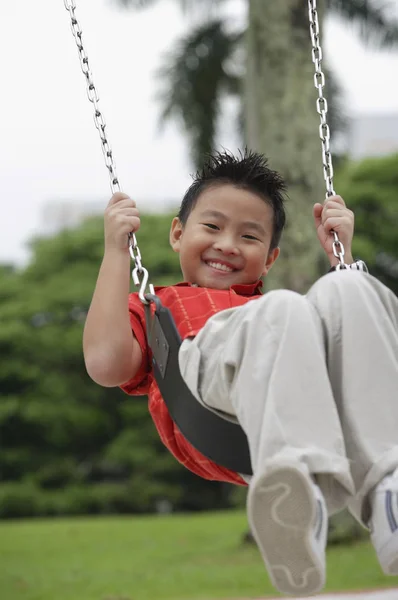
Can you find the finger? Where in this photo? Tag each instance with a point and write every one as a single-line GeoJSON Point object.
{"type": "Point", "coordinates": [334, 200]}
{"type": "Point", "coordinates": [345, 216]}
{"type": "Point", "coordinates": [122, 207]}
{"type": "Point", "coordinates": [317, 212]}
{"type": "Point", "coordinates": [336, 223]}
{"type": "Point", "coordinates": [335, 206]}
{"type": "Point", "coordinates": [332, 212]}
{"type": "Point", "coordinates": [128, 211]}
{"type": "Point", "coordinates": [135, 224]}
{"type": "Point", "coordinates": [129, 225]}
{"type": "Point", "coordinates": [125, 204]}
{"type": "Point", "coordinates": [119, 197]}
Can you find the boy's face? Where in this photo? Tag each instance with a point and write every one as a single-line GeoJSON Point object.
{"type": "Point", "coordinates": [226, 238]}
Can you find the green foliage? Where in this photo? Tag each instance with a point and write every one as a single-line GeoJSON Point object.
{"type": "Point", "coordinates": [370, 190]}
{"type": "Point", "coordinates": [139, 495]}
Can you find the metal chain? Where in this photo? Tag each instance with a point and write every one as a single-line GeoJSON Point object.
{"type": "Point", "coordinates": [324, 130]}
{"type": "Point", "coordinates": [139, 271]}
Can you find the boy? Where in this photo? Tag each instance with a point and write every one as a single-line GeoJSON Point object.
{"type": "Point", "coordinates": [311, 379]}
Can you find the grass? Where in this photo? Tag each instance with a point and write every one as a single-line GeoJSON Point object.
{"type": "Point", "coordinates": [153, 558]}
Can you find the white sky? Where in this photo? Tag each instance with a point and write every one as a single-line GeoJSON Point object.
{"type": "Point", "coordinates": [49, 147]}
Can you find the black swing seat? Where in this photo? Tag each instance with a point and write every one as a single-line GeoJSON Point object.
{"type": "Point", "coordinates": [220, 440]}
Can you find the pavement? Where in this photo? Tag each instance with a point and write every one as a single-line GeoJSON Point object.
{"type": "Point", "coordinates": [391, 594]}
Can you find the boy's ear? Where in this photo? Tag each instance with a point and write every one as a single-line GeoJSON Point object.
{"type": "Point", "coordinates": [175, 234]}
{"type": "Point", "coordinates": [271, 258]}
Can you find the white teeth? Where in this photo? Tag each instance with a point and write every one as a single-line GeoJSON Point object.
{"type": "Point", "coordinates": [220, 267]}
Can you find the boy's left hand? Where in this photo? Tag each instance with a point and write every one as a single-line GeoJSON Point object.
{"type": "Point", "coordinates": [334, 215]}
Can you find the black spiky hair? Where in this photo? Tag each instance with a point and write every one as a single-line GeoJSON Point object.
{"type": "Point", "coordinates": [248, 170]}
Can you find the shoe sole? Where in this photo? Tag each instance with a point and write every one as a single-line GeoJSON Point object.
{"type": "Point", "coordinates": [282, 510]}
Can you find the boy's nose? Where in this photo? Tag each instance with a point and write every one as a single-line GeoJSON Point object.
{"type": "Point", "coordinates": [226, 246]}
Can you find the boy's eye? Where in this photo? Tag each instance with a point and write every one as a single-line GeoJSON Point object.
{"type": "Point", "coordinates": [250, 237]}
{"type": "Point", "coordinates": [210, 225]}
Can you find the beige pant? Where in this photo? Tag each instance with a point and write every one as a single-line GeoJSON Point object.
{"type": "Point", "coordinates": [310, 378]}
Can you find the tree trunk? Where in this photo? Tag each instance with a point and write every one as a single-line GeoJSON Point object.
{"type": "Point", "coordinates": [282, 122]}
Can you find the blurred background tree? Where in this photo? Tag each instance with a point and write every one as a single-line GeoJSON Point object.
{"type": "Point", "coordinates": [371, 186]}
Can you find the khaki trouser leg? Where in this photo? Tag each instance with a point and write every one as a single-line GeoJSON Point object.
{"type": "Point", "coordinates": [360, 322]}
{"type": "Point", "coordinates": [264, 364]}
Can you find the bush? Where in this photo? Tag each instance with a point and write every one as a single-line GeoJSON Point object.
{"type": "Point", "coordinates": [27, 499]}
{"type": "Point", "coordinates": [20, 500]}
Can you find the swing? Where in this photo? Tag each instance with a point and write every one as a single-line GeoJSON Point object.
{"type": "Point", "coordinates": [220, 440]}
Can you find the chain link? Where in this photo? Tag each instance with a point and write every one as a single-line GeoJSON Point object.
{"type": "Point", "coordinates": [139, 271]}
{"type": "Point", "coordinates": [322, 109]}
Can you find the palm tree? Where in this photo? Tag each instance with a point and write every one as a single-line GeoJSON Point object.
{"type": "Point", "coordinates": [268, 68]}
{"type": "Point", "coordinates": [207, 63]}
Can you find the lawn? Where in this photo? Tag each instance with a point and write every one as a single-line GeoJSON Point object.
{"type": "Point", "coordinates": [197, 557]}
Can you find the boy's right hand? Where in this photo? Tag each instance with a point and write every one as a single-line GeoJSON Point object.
{"type": "Point", "coordinates": [121, 218]}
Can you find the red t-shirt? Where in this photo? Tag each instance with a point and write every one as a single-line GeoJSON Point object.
{"type": "Point", "coordinates": [191, 307]}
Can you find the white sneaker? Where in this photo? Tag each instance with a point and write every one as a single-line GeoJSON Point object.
{"type": "Point", "coordinates": [384, 523]}
{"type": "Point", "coordinates": [288, 518]}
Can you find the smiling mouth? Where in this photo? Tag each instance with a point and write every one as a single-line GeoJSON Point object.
{"type": "Point", "coordinates": [217, 266]}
